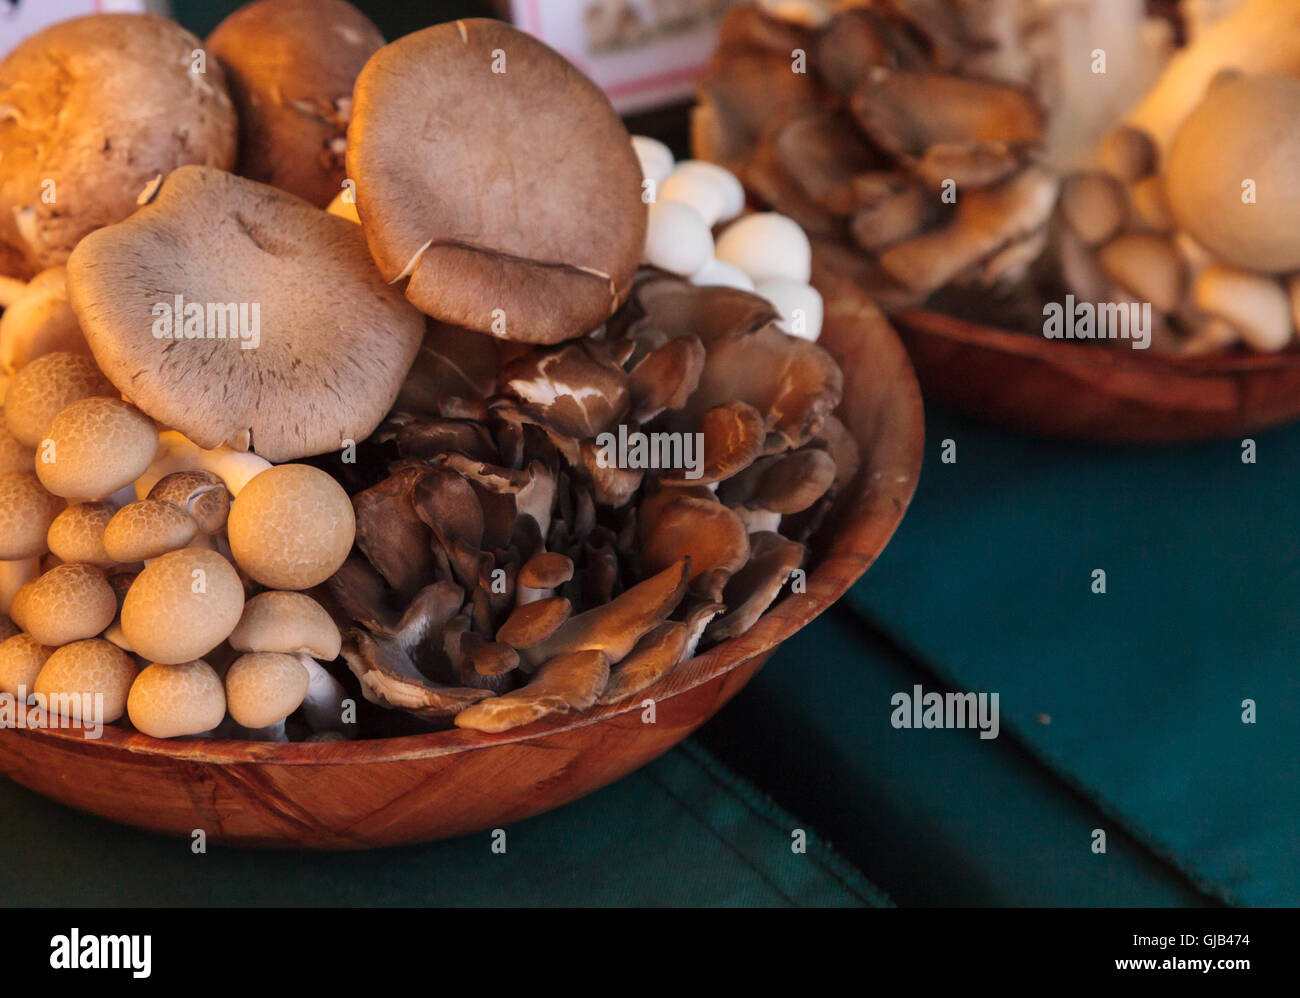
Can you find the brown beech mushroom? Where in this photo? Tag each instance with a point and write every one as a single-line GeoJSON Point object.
{"type": "Point", "coordinates": [67, 603]}
{"type": "Point", "coordinates": [263, 688]}
{"type": "Point", "coordinates": [13, 455]}
{"type": "Point", "coordinates": [13, 576]}
{"type": "Point", "coordinates": [291, 527]}
{"type": "Point", "coordinates": [197, 587]}
{"type": "Point", "coordinates": [45, 387]}
{"type": "Point", "coordinates": [140, 531]}
{"type": "Point", "coordinates": [26, 512]}
{"type": "Point", "coordinates": [499, 179]}
{"type": "Point", "coordinates": [92, 110]}
{"type": "Point", "coordinates": [21, 659]}
{"type": "Point", "coordinates": [94, 447]}
{"type": "Point", "coordinates": [92, 679]}
{"type": "Point", "coordinates": [77, 534]}
{"type": "Point", "coordinates": [201, 494]}
{"type": "Point", "coordinates": [305, 346]}
{"type": "Point", "coordinates": [172, 701]}
{"type": "Point", "coordinates": [290, 66]}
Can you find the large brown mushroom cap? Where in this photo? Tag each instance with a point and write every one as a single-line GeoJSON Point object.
{"type": "Point", "coordinates": [290, 66]}
{"type": "Point", "coordinates": [99, 105]}
{"type": "Point", "coordinates": [334, 341]}
{"type": "Point", "coordinates": [515, 190]}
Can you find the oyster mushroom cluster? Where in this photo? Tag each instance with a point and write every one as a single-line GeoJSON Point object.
{"type": "Point", "coordinates": [508, 566]}
{"type": "Point", "coordinates": [877, 128]}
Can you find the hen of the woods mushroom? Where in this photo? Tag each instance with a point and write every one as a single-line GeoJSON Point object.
{"type": "Point", "coordinates": [991, 157]}
{"type": "Point", "coordinates": [477, 463]}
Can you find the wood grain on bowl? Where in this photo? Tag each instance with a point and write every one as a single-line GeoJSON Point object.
{"type": "Point", "coordinates": [1076, 390]}
{"type": "Point", "coordinates": [346, 795]}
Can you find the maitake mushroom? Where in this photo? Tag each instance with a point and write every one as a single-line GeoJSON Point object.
{"type": "Point", "coordinates": [512, 563]}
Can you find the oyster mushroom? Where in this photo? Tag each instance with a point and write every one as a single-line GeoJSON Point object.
{"type": "Point", "coordinates": [567, 682]}
{"type": "Point", "coordinates": [496, 209]}
{"type": "Point", "coordinates": [320, 363]}
{"type": "Point", "coordinates": [290, 67]}
{"type": "Point", "coordinates": [99, 105]}
{"type": "Point", "coordinates": [658, 653]}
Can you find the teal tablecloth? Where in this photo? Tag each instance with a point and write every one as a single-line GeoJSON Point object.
{"type": "Point", "coordinates": [1120, 711]}
{"type": "Point", "coordinates": [682, 831]}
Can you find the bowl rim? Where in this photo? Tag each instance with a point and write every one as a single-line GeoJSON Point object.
{"type": "Point", "coordinates": [1066, 352]}
{"type": "Point", "coordinates": [840, 567]}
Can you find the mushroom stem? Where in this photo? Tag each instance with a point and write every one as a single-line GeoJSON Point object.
{"type": "Point", "coordinates": [322, 707]}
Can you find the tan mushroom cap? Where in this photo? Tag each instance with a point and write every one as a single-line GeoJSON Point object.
{"type": "Point", "coordinates": [202, 494]}
{"type": "Point", "coordinates": [95, 447]}
{"type": "Point", "coordinates": [26, 512]}
{"type": "Point", "coordinates": [67, 603]}
{"type": "Point", "coordinates": [147, 529]}
{"type": "Point", "coordinates": [13, 455]}
{"type": "Point", "coordinates": [13, 576]}
{"type": "Point", "coordinates": [182, 605]}
{"type": "Point", "coordinates": [291, 527]}
{"type": "Point", "coordinates": [516, 191]}
{"type": "Point", "coordinates": [170, 701]}
{"type": "Point", "coordinates": [333, 340]}
{"type": "Point", "coordinates": [88, 668]}
{"type": "Point", "coordinates": [101, 105]}
{"type": "Point", "coordinates": [45, 387]}
{"type": "Point", "coordinates": [77, 534]}
{"type": "Point", "coordinates": [8, 628]}
{"type": "Point", "coordinates": [21, 659]}
{"type": "Point", "coordinates": [1243, 130]}
{"type": "Point", "coordinates": [263, 688]}
{"type": "Point", "coordinates": [287, 622]}
{"type": "Point", "coordinates": [40, 321]}
{"type": "Point", "coordinates": [290, 66]}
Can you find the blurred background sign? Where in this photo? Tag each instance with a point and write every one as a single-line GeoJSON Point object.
{"type": "Point", "coordinates": [643, 53]}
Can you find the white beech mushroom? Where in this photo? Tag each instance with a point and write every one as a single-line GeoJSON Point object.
{"type": "Point", "coordinates": [172, 701]}
{"type": "Point", "coordinates": [78, 674]}
{"type": "Point", "coordinates": [99, 106]}
{"type": "Point", "coordinates": [439, 193]}
{"type": "Point", "coordinates": [319, 365]}
{"type": "Point", "coordinates": [290, 67]}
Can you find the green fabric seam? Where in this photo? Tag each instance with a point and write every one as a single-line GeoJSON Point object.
{"type": "Point", "coordinates": [1057, 766]}
{"type": "Point", "coordinates": [774, 815]}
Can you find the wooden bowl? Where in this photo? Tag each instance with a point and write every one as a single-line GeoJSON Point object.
{"type": "Point", "coordinates": [347, 795]}
{"type": "Point", "coordinates": [1065, 389]}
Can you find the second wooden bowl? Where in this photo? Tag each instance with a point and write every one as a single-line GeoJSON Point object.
{"type": "Point", "coordinates": [349, 795]}
{"type": "Point", "coordinates": [1064, 389]}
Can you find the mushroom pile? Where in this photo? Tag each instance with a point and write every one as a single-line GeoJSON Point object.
{"type": "Point", "coordinates": [507, 568]}
{"type": "Point", "coordinates": [265, 470]}
{"type": "Point", "coordinates": [876, 129]}
{"type": "Point", "coordinates": [1192, 205]}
